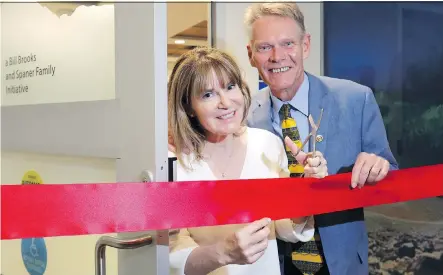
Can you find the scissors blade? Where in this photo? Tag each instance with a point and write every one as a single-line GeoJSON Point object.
{"type": "Point", "coordinates": [305, 141]}
{"type": "Point", "coordinates": [319, 119]}
{"type": "Point", "coordinates": [313, 133]}
{"type": "Point", "coordinates": [313, 125]}
{"type": "Point", "coordinates": [315, 128]}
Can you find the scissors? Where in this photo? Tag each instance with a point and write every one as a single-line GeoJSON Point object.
{"type": "Point", "coordinates": [313, 133]}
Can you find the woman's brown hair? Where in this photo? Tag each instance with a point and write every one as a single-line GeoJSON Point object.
{"type": "Point", "coordinates": [190, 76]}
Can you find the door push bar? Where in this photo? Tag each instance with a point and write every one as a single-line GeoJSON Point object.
{"type": "Point", "coordinates": [100, 249]}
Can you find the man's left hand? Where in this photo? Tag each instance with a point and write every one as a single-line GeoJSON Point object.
{"type": "Point", "coordinates": [368, 168]}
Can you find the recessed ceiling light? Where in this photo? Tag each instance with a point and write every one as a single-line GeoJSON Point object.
{"type": "Point", "coordinates": [180, 41]}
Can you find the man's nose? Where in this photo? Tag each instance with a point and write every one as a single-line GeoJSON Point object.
{"type": "Point", "coordinates": [277, 55]}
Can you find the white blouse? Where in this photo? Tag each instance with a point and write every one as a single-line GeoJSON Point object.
{"type": "Point", "coordinates": [265, 158]}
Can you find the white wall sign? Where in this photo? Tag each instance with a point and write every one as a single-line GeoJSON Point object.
{"type": "Point", "coordinates": [53, 55]}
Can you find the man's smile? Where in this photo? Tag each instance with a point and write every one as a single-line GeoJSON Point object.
{"type": "Point", "coordinates": [279, 70]}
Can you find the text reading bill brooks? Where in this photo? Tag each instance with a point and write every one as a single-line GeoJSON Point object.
{"type": "Point", "coordinates": [19, 59]}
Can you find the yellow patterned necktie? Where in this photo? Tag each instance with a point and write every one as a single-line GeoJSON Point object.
{"type": "Point", "coordinates": [305, 256]}
{"type": "Point", "coordinates": [289, 128]}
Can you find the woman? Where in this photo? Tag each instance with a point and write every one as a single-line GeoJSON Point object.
{"type": "Point", "coordinates": [208, 103]}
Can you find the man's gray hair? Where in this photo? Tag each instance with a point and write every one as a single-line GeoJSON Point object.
{"type": "Point", "coordinates": [257, 11]}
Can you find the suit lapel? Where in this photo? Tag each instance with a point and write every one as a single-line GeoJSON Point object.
{"type": "Point", "coordinates": [261, 110]}
{"type": "Point", "coordinates": [260, 114]}
{"type": "Point", "coordinates": [318, 99]}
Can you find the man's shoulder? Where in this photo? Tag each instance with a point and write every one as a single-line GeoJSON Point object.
{"type": "Point", "coordinates": [262, 95]}
{"type": "Point", "coordinates": [344, 93]}
{"type": "Point", "coordinates": [259, 112]}
{"type": "Point", "coordinates": [340, 86]}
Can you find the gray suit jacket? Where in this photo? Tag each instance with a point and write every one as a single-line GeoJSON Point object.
{"type": "Point", "coordinates": [351, 123]}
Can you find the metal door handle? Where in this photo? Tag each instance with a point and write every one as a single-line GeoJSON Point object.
{"type": "Point", "coordinates": [100, 249]}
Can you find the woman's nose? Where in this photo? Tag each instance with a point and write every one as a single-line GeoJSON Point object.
{"type": "Point", "coordinates": [225, 101]}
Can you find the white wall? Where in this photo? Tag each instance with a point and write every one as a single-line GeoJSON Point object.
{"type": "Point", "coordinates": [313, 12]}
{"type": "Point", "coordinates": [230, 35]}
{"type": "Point", "coordinates": [79, 78]}
{"type": "Point", "coordinates": [78, 50]}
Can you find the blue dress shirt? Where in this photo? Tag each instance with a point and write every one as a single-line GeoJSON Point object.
{"type": "Point", "coordinates": [299, 111]}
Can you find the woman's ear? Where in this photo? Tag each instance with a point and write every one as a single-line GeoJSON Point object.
{"type": "Point", "coordinates": [190, 112]}
{"type": "Point", "coordinates": [188, 109]}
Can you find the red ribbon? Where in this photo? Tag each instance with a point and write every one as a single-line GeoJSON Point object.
{"type": "Point", "coordinates": [79, 209]}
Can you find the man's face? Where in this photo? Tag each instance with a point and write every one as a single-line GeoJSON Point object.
{"type": "Point", "coordinates": [277, 49]}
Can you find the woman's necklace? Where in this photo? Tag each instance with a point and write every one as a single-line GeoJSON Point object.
{"type": "Point", "coordinates": [228, 161]}
{"type": "Point", "coordinates": [214, 154]}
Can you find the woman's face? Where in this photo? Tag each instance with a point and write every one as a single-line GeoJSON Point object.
{"type": "Point", "coordinates": [219, 109]}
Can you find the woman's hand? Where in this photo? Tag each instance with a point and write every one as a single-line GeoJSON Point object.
{"type": "Point", "coordinates": [247, 245]}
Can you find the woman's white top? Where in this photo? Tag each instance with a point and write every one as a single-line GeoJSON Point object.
{"type": "Point", "coordinates": [265, 158]}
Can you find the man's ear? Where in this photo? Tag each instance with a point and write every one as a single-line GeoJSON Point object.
{"type": "Point", "coordinates": [306, 45]}
{"type": "Point", "coordinates": [251, 60]}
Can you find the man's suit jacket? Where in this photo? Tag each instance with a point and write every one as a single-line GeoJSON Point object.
{"type": "Point", "coordinates": [351, 123]}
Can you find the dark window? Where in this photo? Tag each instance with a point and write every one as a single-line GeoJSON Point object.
{"type": "Point", "coordinates": [397, 50]}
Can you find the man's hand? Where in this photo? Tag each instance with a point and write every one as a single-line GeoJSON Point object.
{"type": "Point", "coordinates": [368, 168]}
{"type": "Point", "coordinates": [315, 165]}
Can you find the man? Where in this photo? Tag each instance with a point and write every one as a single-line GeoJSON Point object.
{"type": "Point", "coordinates": [351, 136]}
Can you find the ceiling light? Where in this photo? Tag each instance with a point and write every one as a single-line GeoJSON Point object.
{"type": "Point", "coordinates": [180, 41]}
